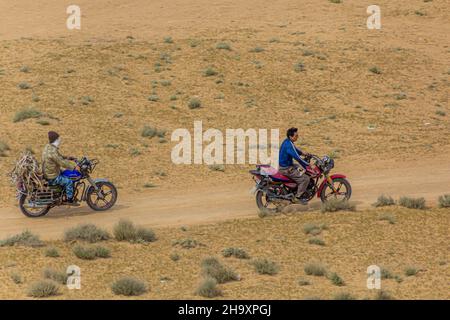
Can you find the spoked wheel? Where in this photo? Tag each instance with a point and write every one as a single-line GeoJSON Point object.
{"type": "Point", "coordinates": [104, 198]}
{"type": "Point", "coordinates": [342, 187]}
{"type": "Point", "coordinates": [264, 204]}
{"type": "Point", "coordinates": [29, 209]}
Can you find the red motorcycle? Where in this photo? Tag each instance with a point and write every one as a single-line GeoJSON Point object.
{"type": "Point", "coordinates": [273, 189]}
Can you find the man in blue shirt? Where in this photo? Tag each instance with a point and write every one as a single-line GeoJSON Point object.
{"type": "Point", "coordinates": [288, 152]}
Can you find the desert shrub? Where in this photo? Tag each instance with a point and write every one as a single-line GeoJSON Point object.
{"type": "Point", "coordinates": [27, 113]}
{"type": "Point", "coordinates": [211, 267]}
{"type": "Point", "coordinates": [149, 185]}
{"type": "Point", "coordinates": [265, 266]}
{"type": "Point", "coordinates": [86, 232]}
{"type": "Point", "coordinates": [443, 201]}
{"type": "Point", "coordinates": [412, 203]}
{"type": "Point", "coordinates": [51, 252]}
{"type": "Point", "coordinates": [125, 230]}
{"type": "Point", "coordinates": [386, 274]}
{"type": "Point", "coordinates": [411, 271]}
{"type": "Point", "coordinates": [165, 83]}
{"type": "Point", "coordinates": [43, 122]}
{"type": "Point", "coordinates": [303, 282]}
{"type": "Point", "coordinates": [187, 243]}
{"type": "Point", "coordinates": [194, 103]}
{"type": "Point", "coordinates": [257, 50]}
{"type": "Point", "coordinates": [334, 205]}
{"type": "Point", "coordinates": [4, 148]}
{"type": "Point", "coordinates": [168, 40]}
{"type": "Point", "coordinates": [26, 239]}
{"type": "Point", "coordinates": [383, 295]}
{"type": "Point", "coordinates": [375, 70]}
{"type": "Point", "coordinates": [223, 46]}
{"type": "Point", "coordinates": [153, 98]}
{"type": "Point", "coordinates": [315, 269]}
{"type": "Point", "coordinates": [383, 201]}
{"type": "Point", "coordinates": [24, 85]}
{"type": "Point", "coordinates": [208, 288]}
{"type": "Point", "coordinates": [86, 100]}
{"type": "Point", "coordinates": [387, 217]}
{"type": "Point", "coordinates": [344, 296]}
{"type": "Point", "coordinates": [129, 286]}
{"type": "Point", "coordinates": [150, 132]}
{"type": "Point", "coordinates": [336, 279]}
{"type": "Point", "coordinates": [43, 288]}
{"type": "Point", "coordinates": [134, 152]}
{"type": "Point", "coordinates": [89, 252]}
{"type": "Point", "coordinates": [316, 241]}
{"type": "Point", "coordinates": [441, 113]}
{"type": "Point", "coordinates": [16, 277]}
{"type": "Point", "coordinates": [55, 275]}
{"type": "Point", "coordinates": [299, 67]}
{"type": "Point", "coordinates": [314, 229]}
{"type": "Point", "coordinates": [235, 252]}
{"type": "Point", "coordinates": [25, 69]}
{"type": "Point", "coordinates": [217, 167]}
{"type": "Point", "coordinates": [209, 72]}
{"type": "Point", "coordinates": [174, 256]}
{"type": "Point", "coordinates": [335, 1]}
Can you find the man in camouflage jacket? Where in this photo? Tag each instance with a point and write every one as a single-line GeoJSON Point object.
{"type": "Point", "coordinates": [52, 162]}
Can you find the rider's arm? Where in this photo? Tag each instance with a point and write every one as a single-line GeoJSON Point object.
{"type": "Point", "coordinates": [293, 151]}
{"type": "Point", "coordinates": [61, 161]}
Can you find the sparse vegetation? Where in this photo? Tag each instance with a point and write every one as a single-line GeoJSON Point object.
{"type": "Point", "coordinates": [4, 148]}
{"type": "Point", "coordinates": [55, 275]}
{"type": "Point", "coordinates": [212, 267]}
{"type": "Point", "coordinates": [150, 132]}
{"type": "Point", "coordinates": [26, 239]}
{"type": "Point", "coordinates": [441, 113]}
{"type": "Point", "coordinates": [174, 256]}
{"type": "Point", "coordinates": [86, 232]}
{"type": "Point", "coordinates": [336, 279]}
{"type": "Point", "coordinates": [387, 217]}
{"type": "Point", "coordinates": [129, 286]}
{"type": "Point", "coordinates": [209, 72]}
{"type": "Point", "coordinates": [51, 252]}
{"type": "Point", "coordinates": [383, 201]}
{"type": "Point", "coordinates": [386, 274]}
{"type": "Point", "coordinates": [265, 266]}
{"type": "Point", "coordinates": [223, 46]}
{"type": "Point", "coordinates": [43, 288]}
{"type": "Point", "coordinates": [16, 277]}
{"type": "Point", "coordinates": [443, 201]}
{"type": "Point", "coordinates": [235, 252]}
{"type": "Point", "coordinates": [153, 98]}
{"type": "Point", "coordinates": [344, 296]}
{"type": "Point", "coordinates": [334, 205]}
{"type": "Point", "coordinates": [257, 50]}
{"type": "Point", "coordinates": [208, 288]}
{"type": "Point", "coordinates": [89, 252]}
{"type": "Point", "coordinates": [412, 203]}
{"type": "Point", "coordinates": [316, 241]}
{"type": "Point", "coordinates": [375, 70]}
{"type": "Point", "coordinates": [383, 295]}
{"type": "Point", "coordinates": [194, 103]}
{"type": "Point", "coordinates": [125, 230]}
{"type": "Point", "coordinates": [27, 113]}
{"type": "Point", "coordinates": [24, 85]}
{"type": "Point", "coordinates": [303, 282]}
{"type": "Point", "coordinates": [315, 269]}
{"type": "Point", "coordinates": [411, 271]}
{"type": "Point", "coordinates": [187, 243]}
{"type": "Point", "coordinates": [168, 40]}
{"type": "Point", "coordinates": [299, 67]}
{"type": "Point", "coordinates": [217, 167]}
{"type": "Point", "coordinates": [314, 229]}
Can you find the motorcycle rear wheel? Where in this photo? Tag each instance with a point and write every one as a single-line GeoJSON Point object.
{"type": "Point", "coordinates": [263, 203]}
{"type": "Point", "coordinates": [109, 194]}
{"type": "Point", "coordinates": [31, 212]}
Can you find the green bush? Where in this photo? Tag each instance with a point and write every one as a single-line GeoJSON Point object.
{"type": "Point", "coordinates": [208, 288]}
{"type": "Point", "coordinates": [299, 67]}
{"type": "Point", "coordinates": [383, 201]}
{"type": "Point", "coordinates": [444, 201]}
{"type": "Point", "coordinates": [87, 252]}
{"type": "Point", "coordinates": [86, 232]}
{"type": "Point", "coordinates": [315, 269]}
{"type": "Point", "coordinates": [375, 70]}
{"type": "Point", "coordinates": [336, 279]}
{"type": "Point", "coordinates": [316, 241]}
{"type": "Point", "coordinates": [257, 50]}
{"type": "Point", "coordinates": [27, 113]}
{"type": "Point", "coordinates": [51, 252]}
{"type": "Point", "coordinates": [43, 288]}
{"type": "Point", "coordinates": [194, 103]}
{"type": "Point", "coordinates": [16, 278]}
{"type": "Point", "coordinates": [235, 252]}
{"type": "Point", "coordinates": [265, 266]}
{"type": "Point", "coordinates": [24, 85]}
{"type": "Point", "coordinates": [386, 274]}
{"type": "Point", "coordinates": [209, 72]}
{"type": "Point", "coordinates": [303, 282]}
{"type": "Point", "coordinates": [125, 230]}
{"type": "Point", "coordinates": [211, 267]}
{"type": "Point", "coordinates": [150, 132]}
{"type": "Point", "coordinates": [153, 98]}
{"type": "Point", "coordinates": [412, 203]}
{"type": "Point", "coordinates": [314, 229]}
{"type": "Point", "coordinates": [26, 239]}
{"type": "Point", "coordinates": [174, 256]}
{"type": "Point", "coordinates": [411, 271]}
{"type": "Point", "coordinates": [334, 205]}
{"type": "Point", "coordinates": [387, 217]}
{"type": "Point", "coordinates": [187, 243]}
{"type": "Point", "coordinates": [129, 286]}
{"type": "Point", "coordinates": [217, 167]}
{"type": "Point", "coordinates": [55, 275]}
{"type": "Point", "coordinates": [223, 46]}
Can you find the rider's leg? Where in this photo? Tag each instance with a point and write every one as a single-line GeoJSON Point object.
{"type": "Point", "coordinates": [298, 176]}
{"type": "Point", "coordinates": [67, 184]}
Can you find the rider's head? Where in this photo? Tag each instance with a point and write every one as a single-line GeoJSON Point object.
{"type": "Point", "coordinates": [292, 134]}
{"type": "Point", "coordinates": [54, 138]}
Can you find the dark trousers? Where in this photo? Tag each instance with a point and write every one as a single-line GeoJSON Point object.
{"type": "Point", "coordinates": [298, 176]}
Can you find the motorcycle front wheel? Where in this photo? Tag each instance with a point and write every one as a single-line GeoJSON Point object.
{"type": "Point", "coordinates": [342, 187]}
{"type": "Point", "coordinates": [31, 210]}
{"type": "Point", "coordinates": [104, 198]}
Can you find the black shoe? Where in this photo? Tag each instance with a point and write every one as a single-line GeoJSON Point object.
{"type": "Point", "coordinates": [72, 203]}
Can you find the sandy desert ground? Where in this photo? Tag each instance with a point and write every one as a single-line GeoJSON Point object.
{"type": "Point", "coordinates": [289, 63]}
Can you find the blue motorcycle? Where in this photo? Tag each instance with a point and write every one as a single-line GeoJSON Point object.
{"type": "Point", "coordinates": [99, 194]}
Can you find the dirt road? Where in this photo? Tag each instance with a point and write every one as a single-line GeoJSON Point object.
{"type": "Point", "coordinates": [211, 203]}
